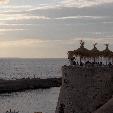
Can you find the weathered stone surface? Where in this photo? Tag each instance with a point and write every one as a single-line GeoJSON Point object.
{"type": "Point", "coordinates": [106, 108]}
{"type": "Point", "coordinates": [85, 89]}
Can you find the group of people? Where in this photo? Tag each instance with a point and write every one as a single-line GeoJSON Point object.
{"type": "Point", "coordinates": [89, 63]}
{"type": "Point", "coordinates": [10, 111]}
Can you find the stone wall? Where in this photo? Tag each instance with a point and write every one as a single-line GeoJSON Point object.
{"type": "Point", "coordinates": [106, 108]}
{"type": "Point", "coordinates": [84, 89]}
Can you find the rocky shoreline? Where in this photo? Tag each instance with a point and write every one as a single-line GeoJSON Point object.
{"type": "Point", "coordinates": [9, 86]}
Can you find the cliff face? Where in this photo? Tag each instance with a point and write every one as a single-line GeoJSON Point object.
{"type": "Point", "coordinates": [84, 89]}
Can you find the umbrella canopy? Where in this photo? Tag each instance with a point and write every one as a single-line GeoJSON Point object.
{"type": "Point", "coordinates": [95, 52]}
{"type": "Point", "coordinates": [82, 51]}
{"type": "Point", "coordinates": [107, 52]}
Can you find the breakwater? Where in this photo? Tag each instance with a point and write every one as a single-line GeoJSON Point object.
{"type": "Point", "coordinates": [9, 86]}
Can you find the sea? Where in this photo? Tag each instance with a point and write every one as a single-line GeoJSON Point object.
{"type": "Point", "coordinates": [30, 101]}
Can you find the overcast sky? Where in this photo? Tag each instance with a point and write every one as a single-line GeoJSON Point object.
{"type": "Point", "coordinates": [49, 28]}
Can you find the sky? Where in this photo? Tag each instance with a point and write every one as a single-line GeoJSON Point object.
{"type": "Point", "coordinates": [50, 28]}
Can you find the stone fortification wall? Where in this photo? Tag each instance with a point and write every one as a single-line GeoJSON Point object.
{"type": "Point", "coordinates": [84, 89]}
{"type": "Point", "coordinates": [106, 108]}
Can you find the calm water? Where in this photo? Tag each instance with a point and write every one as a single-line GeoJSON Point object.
{"type": "Point", "coordinates": [30, 101]}
{"type": "Point", "coordinates": [23, 68]}
{"type": "Point", "coordinates": [34, 100]}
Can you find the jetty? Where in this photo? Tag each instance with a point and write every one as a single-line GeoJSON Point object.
{"type": "Point", "coordinates": [9, 86]}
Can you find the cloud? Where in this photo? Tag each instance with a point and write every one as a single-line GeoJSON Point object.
{"type": "Point", "coordinates": [14, 8]}
{"type": "Point", "coordinates": [82, 17]}
{"type": "Point", "coordinates": [21, 17]}
{"type": "Point", "coordinates": [83, 3]}
{"type": "Point", "coordinates": [21, 43]}
{"type": "Point", "coordinates": [96, 10]}
{"type": "Point", "coordinates": [60, 20]}
{"type": "Point", "coordinates": [98, 40]}
{"type": "Point", "coordinates": [4, 1]}
{"type": "Point", "coordinates": [70, 3]}
{"type": "Point", "coordinates": [46, 48]}
{"type": "Point", "coordinates": [4, 30]}
{"type": "Point", "coordinates": [51, 43]}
